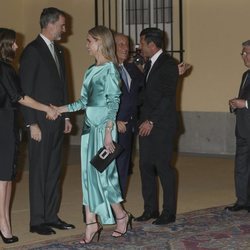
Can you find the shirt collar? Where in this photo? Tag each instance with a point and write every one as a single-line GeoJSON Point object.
{"type": "Point", "coordinates": [155, 56]}
{"type": "Point", "coordinates": [46, 40]}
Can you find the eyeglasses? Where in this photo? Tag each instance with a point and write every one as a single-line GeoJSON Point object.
{"type": "Point", "coordinates": [244, 53]}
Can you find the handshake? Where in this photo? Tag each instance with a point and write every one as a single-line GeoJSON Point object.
{"type": "Point", "coordinates": [52, 112]}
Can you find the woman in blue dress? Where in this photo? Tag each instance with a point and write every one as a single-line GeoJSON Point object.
{"type": "Point", "coordinates": [100, 97]}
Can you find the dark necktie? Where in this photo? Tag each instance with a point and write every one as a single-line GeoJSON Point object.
{"type": "Point", "coordinates": [146, 70]}
{"type": "Point", "coordinates": [124, 76]}
{"type": "Point", "coordinates": [147, 67]}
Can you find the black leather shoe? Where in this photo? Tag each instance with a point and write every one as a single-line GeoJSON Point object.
{"type": "Point", "coordinates": [236, 207]}
{"type": "Point", "coordinates": [164, 219]}
{"type": "Point", "coordinates": [42, 229]}
{"type": "Point", "coordinates": [13, 239]}
{"type": "Point", "coordinates": [147, 216]}
{"type": "Point", "coordinates": [61, 225]}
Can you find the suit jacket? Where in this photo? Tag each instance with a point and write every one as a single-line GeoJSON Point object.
{"type": "Point", "coordinates": [159, 95]}
{"type": "Point", "coordinates": [243, 115]}
{"type": "Point", "coordinates": [129, 99]}
{"type": "Point", "coordinates": [40, 78]}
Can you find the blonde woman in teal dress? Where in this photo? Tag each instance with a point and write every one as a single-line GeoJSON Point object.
{"type": "Point", "coordinates": [100, 96]}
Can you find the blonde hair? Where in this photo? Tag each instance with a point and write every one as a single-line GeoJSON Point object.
{"type": "Point", "coordinates": [107, 45]}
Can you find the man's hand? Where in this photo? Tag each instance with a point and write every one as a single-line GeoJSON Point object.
{"type": "Point", "coordinates": [60, 109]}
{"type": "Point", "coordinates": [145, 128]}
{"type": "Point", "coordinates": [121, 126]}
{"type": "Point", "coordinates": [35, 132]}
{"type": "Point", "coordinates": [237, 103]}
{"type": "Point", "coordinates": [68, 126]}
{"type": "Point", "coordinates": [52, 113]}
{"type": "Point", "coordinates": [183, 67]}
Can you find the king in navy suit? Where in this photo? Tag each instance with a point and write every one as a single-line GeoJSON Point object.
{"type": "Point", "coordinates": [42, 74]}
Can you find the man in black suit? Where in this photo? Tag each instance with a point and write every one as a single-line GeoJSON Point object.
{"type": "Point", "coordinates": [158, 123]}
{"type": "Point", "coordinates": [42, 73]}
{"type": "Point", "coordinates": [132, 82]}
{"type": "Point", "coordinates": [241, 107]}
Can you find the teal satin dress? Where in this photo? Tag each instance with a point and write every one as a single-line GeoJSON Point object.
{"type": "Point", "coordinates": [100, 97]}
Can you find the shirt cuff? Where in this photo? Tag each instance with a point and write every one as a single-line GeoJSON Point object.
{"type": "Point", "coordinates": [246, 103]}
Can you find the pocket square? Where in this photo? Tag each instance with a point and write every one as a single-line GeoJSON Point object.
{"type": "Point", "coordinates": [103, 158]}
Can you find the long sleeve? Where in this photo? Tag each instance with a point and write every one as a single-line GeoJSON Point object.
{"type": "Point", "coordinates": [81, 103]}
{"type": "Point", "coordinates": [10, 86]}
{"type": "Point", "coordinates": [113, 95]}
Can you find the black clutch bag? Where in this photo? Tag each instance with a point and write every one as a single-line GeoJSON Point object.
{"type": "Point", "coordinates": [103, 158]}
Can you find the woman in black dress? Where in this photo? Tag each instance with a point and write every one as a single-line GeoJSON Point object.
{"type": "Point", "coordinates": [10, 95]}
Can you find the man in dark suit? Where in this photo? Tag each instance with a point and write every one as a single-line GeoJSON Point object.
{"type": "Point", "coordinates": [158, 123]}
{"type": "Point", "coordinates": [42, 73]}
{"type": "Point", "coordinates": [241, 107]}
{"type": "Point", "coordinates": [132, 81]}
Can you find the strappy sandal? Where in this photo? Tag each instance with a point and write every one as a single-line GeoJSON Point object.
{"type": "Point", "coordinates": [98, 233]}
{"type": "Point", "coordinates": [129, 222]}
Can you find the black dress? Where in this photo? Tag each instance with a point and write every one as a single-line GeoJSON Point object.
{"type": "Point", "coordinates": [10, 94]}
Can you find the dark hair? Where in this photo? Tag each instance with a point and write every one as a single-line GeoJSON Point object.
{"type": "Point", "coordinates": [50, 15]}
{"type": "Point", "coordinates": [154, 35]}
{"type": "Point", "coordinates": [246, 43]}
{"type": "Point", "coordinates": [7, 39]}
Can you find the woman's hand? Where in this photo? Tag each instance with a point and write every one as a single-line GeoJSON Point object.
{"type": "Point", "coordinates": [61, 109]}
{"type": "Point", "coordinates": [108, 141]}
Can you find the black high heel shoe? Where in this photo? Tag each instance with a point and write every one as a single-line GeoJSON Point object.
{"type": "Point", "coordinates": [129, 223]}
{"type": "Point", "coordinates": [98, 233]}
{"type": "Point", "coordinates": [13, 239]}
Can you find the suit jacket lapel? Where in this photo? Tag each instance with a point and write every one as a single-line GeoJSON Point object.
{"type": "Point", "coordinates": [154, 67]}
{"type": "Point", "coordinates": [243, 81]}
{"type": "Point", "coordinates": [46, 54]}
{"type": "Point", "coordinates": [131, 73]}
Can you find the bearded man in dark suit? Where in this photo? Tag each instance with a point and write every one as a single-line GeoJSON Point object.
{"type": "Point", "coordinates": [158, 123]}
{"type": "Point", "coordinates": [42, 73]}
{"type": "Point", "coordinates": [241, 107]}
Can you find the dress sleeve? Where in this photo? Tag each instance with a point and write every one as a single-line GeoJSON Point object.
{"type": "Point", "coordinates": [113, 93]}
{"type": "Point", "coordinates": [11, 83]}
{"type": "Point", "coordinates": [81, 103]}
